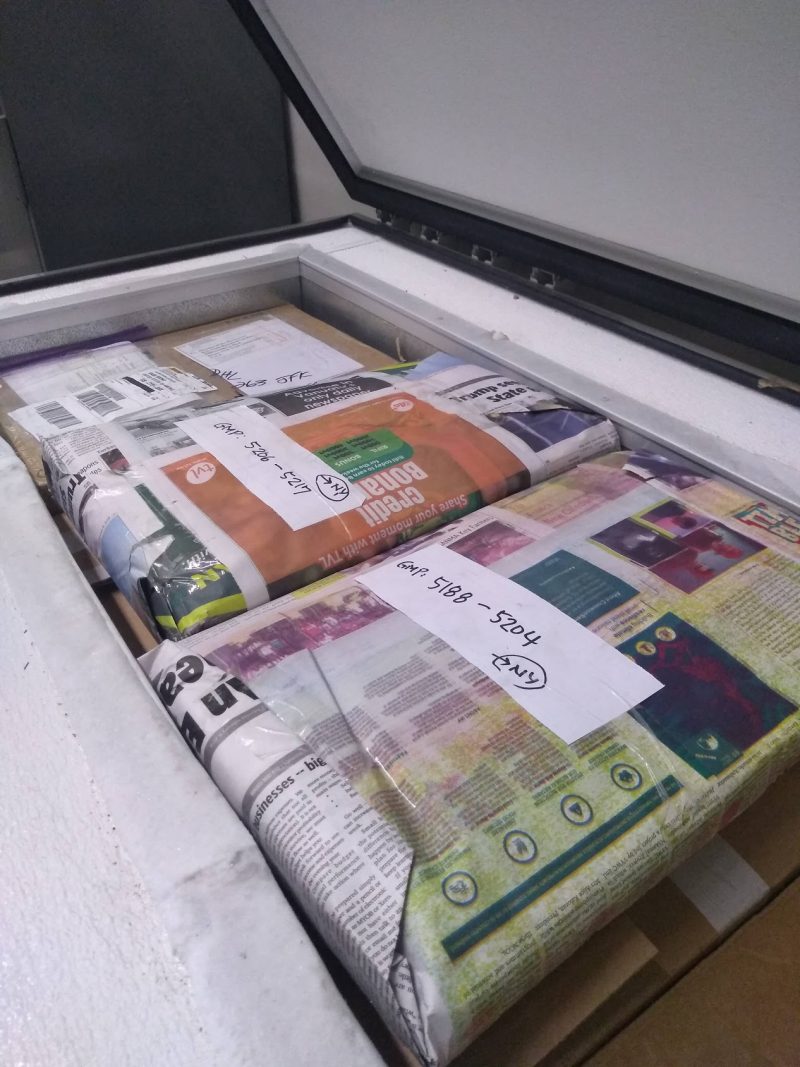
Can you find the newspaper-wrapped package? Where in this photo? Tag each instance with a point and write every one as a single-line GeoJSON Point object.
{"type": "Point", "coordinates": [94, 384]}
{"type": "Point", "coordinates": [105, 379]}
{"type": "Point", "coordinates": [448, 755]}
{"type": "Point", "coordinates": [199, 515]}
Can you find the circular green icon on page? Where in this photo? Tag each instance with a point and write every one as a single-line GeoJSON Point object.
{"type": "Point", "coordinates": [519, 846]}
{"type": "Point", "coordinates": [460, 888]}
{"type": "Point", "coordinates": [625, 776]}
{"type": "Point", "coordinates": [576, 810]}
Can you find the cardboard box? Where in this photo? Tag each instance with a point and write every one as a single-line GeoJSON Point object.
{"type": "Point", "coordinates": [627, 966]}
{"type": "Point", "coordinates": [546, 1016]}
{"type": "Point", "coordinates": [740, 1006]}
{"type": "Point", "coordinates": [694, 911]}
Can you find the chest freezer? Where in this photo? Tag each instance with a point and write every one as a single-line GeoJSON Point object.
{"type": "Point", "coordinates": [558, 199]}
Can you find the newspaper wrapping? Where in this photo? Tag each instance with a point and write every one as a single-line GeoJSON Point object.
{"type": "Point", "coordinates": [200, 514]}
{"type": "Point", "coordinates": [450, 847]}
{"type": "Point", "coordinates": [107, 378]}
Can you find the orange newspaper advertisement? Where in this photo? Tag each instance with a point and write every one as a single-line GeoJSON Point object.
{"type": "Point", "coordinates": [426, 466]}
{"type": "Point", "coordinates": [199, 514]}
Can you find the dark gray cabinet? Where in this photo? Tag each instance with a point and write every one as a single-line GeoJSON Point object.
{"type": "Point", "coordinates": [140, 125]}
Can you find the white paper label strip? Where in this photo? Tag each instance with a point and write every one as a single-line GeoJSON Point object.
{"type": "Point", "coordinates": [562, 674]}
{"type": "Point", "coordinates": [292, 481]}
{"type": "Point", "coordinates": [268, 355]}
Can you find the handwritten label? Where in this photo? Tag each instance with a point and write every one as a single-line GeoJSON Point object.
{"type": "Point", "coordinates": [292, 481]}
{"type": "Point", "coordinates": [268, 355]}
{"type": "Point", "coordinates": [558, 671]}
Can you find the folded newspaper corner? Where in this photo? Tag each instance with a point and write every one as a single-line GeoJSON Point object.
{"type": "Point", "coordinates": [199, 514]}
{"type": "Point", "coordinates": [467, 755]}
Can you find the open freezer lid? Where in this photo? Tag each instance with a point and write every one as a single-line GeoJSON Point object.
{"type": "Point", "coordinates": [662, 136]}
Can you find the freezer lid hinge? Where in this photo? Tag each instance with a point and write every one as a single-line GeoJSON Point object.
{"type": "Point", "coordinates": [424, 234]}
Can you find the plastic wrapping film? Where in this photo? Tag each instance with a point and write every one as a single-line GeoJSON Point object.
{"type": "Point", "coordinates": [450, 847]}
{"type": "Point", "coordinates": [45, 392]}
{"type": "Point", "coordinates": [198, 517]}
{"type": "Point", "coordinates": [57, 390]}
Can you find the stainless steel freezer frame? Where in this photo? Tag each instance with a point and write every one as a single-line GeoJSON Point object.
{"type": "Point", "coordinates": [249, 969]}
{"type": "Point", "coordinates": [393, 318]}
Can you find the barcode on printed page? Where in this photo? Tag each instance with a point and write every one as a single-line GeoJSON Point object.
{"type": "Point", "coordinates": [98, 402]}
{"type": "Point", "coordinates": [57, 415]}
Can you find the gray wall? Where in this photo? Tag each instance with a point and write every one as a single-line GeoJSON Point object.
{"type": "Point", "coordinates": [319, 193]}
{"type": "Point", "coordinates": [140, 125]}
{"type": "Point", "coordinates": [18, 251]}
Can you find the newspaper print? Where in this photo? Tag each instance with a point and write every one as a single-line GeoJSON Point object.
{"type": "Point", "coordinates": [523, 844]}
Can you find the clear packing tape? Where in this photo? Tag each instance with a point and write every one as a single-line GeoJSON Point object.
{"type": "Point", "coordinates": [451, 848]}
{"type": "Point", "coordinates": [199, 514]}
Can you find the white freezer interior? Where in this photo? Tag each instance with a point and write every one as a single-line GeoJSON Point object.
{"type": "Point", "coordinates": [145, 925]}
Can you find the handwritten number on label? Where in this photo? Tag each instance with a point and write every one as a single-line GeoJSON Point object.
{"type": "Point", "coordinates": [296, 483]}
{"type": "Point", "coordinates": [451, 590]}
{"type": "Point", "coordinates": [455, 592]}
{"type": "Point", "coordinates": [506, 621]}
{"type": "Point", "coordinates": [293, 378]}
{"type": "Point", "coordinates": [330, 486]}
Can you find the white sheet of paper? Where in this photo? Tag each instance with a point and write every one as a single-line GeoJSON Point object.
{"type": "Point", "coordinates": [268, 355]}
{"type": "Point", "coordinates": [561, 673]}
{"type": "Point", "coordinates": [104, 401]}
{"type": "Point", "coordinates": [50, 417]}
{"type": "Point", "coordinates": [41, 381]}
{"type": "Point", "coordinates": [291, 480]}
